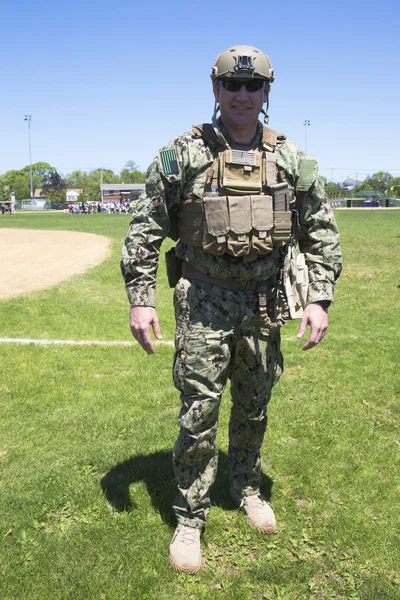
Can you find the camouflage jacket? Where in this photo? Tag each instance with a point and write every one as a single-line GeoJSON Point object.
{"type": "Point", "coordinates": [151, 223]}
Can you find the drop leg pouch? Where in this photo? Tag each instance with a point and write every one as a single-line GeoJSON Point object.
{"type": "Point", "coordinates": [174, 267]}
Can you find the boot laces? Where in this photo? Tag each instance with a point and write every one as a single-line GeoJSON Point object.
{"type": "Point", "coordinates": [188, 535]}
{"type": "Point", "coordinates": [255, 501]}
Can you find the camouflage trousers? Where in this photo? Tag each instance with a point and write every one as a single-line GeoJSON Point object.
{"type": "Point", "coordinates": [219, 335]}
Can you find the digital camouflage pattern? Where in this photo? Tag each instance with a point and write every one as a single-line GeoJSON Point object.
{"type": "Point", "coordinates": [151, 223]}
{"type": "Point", "coordinates": [219, 334]}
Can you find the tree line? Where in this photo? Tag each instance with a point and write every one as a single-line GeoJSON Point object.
{"type": "Point", "coordinates": [381, 184]}
{"type": "Point", "coordinates": [54, 185]}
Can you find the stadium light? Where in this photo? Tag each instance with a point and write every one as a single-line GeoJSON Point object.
{"type": "Point", "coordinates": [306, 124]}
{"type": "Point", "coordinates": [29, 119]}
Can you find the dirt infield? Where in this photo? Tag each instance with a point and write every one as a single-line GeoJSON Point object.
{"type": "Point", "coordinates": [33, 260]}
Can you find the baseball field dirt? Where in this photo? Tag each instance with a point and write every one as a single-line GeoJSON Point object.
{"type": "Point", "coordinates": [33, 260]}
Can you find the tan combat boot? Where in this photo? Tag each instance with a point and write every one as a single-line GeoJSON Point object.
{"type": "Point", "coordinates": [258, 511]}
{"type": "Point", "coordinates": [184, 550]}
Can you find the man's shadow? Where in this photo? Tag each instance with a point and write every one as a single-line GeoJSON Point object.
{"type": "Point", "coordinates": [157, 473]}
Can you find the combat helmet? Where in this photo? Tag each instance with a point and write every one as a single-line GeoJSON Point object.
{"type": "Point", "coordinates": [242, 62]}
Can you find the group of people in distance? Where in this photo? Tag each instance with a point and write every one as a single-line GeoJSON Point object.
{"type": "Point", "coordinates": [7, 208]}
{"type": "Point", "coordinates": [115, 207]}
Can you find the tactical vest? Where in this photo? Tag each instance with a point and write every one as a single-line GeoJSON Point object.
{"type": "Point", "coordinates": [245, 211]}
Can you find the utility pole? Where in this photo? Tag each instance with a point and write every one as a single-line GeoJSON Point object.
{"type": "Point", "coordinates": [306, 124]}
{"type": "Point", "coordinates": [387, 190]}
{"type": "Point", "coordinates": [29, 119]}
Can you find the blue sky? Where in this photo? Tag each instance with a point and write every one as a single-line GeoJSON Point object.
{"type": "Point", "coordinates": [110, 82]}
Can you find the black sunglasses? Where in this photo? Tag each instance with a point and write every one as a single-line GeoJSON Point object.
{"type": "Point", "coordinates": [234, 85]}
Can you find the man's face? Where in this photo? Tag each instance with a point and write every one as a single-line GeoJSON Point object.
{"type": "Point", "coordinates": [240, 109]}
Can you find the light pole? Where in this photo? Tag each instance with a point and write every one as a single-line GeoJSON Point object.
{"type": "Point", "coordinates": [306, 124]}
{"type": "Point", "coordinates": [29, 119]}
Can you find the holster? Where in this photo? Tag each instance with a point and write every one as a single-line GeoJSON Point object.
{"type": "Point", "coordinates": [174, 267]}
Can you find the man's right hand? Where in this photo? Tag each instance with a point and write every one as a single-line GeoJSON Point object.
{"type": "Point", "coordinates": [140, 320]}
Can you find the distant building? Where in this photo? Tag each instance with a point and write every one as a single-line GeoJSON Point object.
{"type": "Point", "coordinates": [348, 184]}
{"type": "Point", "coordinates": [38, 194]}
{"type": "Point", "coordinates": [111, 192]}
{"type": "Point", "coordinates": [72, 195]}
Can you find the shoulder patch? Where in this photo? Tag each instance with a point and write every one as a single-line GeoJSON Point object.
{"type": "Point", "coordinates": [308, 172]}
{"type": "Point", "coordinates": [169, 161]}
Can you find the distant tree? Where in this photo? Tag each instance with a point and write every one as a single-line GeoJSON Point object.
{"type": "Point", "coordinates": [332, 189]}
{"type": "Point", "coordinates": [95, 177]}
{"type": "Point", "coordinates": [126, 176]}
{"type": "Point", "coordinates": [41, 169]}
{"type": "Point", "coordinates": [131, 166]}
{"type": "Point", "coordinates": [54, 187]}
{"type": "Point", "coordinates": [378, 182]}
{"type": "Point", "coordinates": [107, 174]}
{"type": "Point", "coordinates": [363, 187]}
{"type": "Point", "coordinates": [395, 186]}
{"type": "Point", "coordinates": [131, 173]}
{"type": "Point", "coordinates": [76, 180]}
{"type": "Point", "coordinates": [19, 181]}
{"type": "Point", "coordinates": [89, 181]}
{"type": "Point", "coordinates": [4, 193]}
{"type": "Point", "coordinates": [139, 177]}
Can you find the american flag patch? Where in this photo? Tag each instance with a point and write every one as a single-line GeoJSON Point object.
{"type": "Point", "coordinates": [169, 162]}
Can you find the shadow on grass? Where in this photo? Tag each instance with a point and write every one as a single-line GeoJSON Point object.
{"type": "Point", "coordinates": [157, 473]}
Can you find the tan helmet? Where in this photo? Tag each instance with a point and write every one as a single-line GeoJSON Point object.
{"type": "Point", "coordinates": [242, 62]}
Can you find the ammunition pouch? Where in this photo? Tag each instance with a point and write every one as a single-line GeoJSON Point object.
{"type": "Point", "coordinates": [244, 226]}
{"type": "Point", "coordinates": [246, 207]}
{"type": "Point", "coordinates": [174, 267]}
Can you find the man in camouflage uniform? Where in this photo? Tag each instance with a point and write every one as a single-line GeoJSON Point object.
{"type": "Point", "coordinates": [228, 192]}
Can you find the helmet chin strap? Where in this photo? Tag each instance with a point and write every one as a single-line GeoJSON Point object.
{"type": "Point", "coordinates": [264, 112]}
{"type": "Point", "coordinates": [216, 109]}
{"type": "Point", "coordinates": [214, 120]}
{"type": "Point", "coordinates": [217, 132]}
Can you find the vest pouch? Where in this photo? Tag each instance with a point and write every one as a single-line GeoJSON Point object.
{"type": "Point", "coordinates": [262, 220]}
{"type": "Point", "coordinates": [282, 214]}
{"type": "Point", "coordinates": [240, 225]}
{"type": "Point", "coordinates": [282, 227]}
{"type": "Point", "coordinates": [216, 225]}
{"type": "Point", "coordinates": [280, 196]}
{"type": "Point", "coordinates": [241, 172]}
{"type": "Point", "coordinates": [241, 187]}
{"type": "Point", "coordinates": [190, 222]}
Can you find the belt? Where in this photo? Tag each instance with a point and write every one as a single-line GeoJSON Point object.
{"type": "Point", "coordinates": [189, 272]}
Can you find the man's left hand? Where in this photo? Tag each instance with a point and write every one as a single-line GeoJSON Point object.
{"type": "Point", "coordinates": [317, 318]}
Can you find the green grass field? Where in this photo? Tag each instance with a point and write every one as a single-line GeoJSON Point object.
{"type": "Point", "coordinates": [86, 434]}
